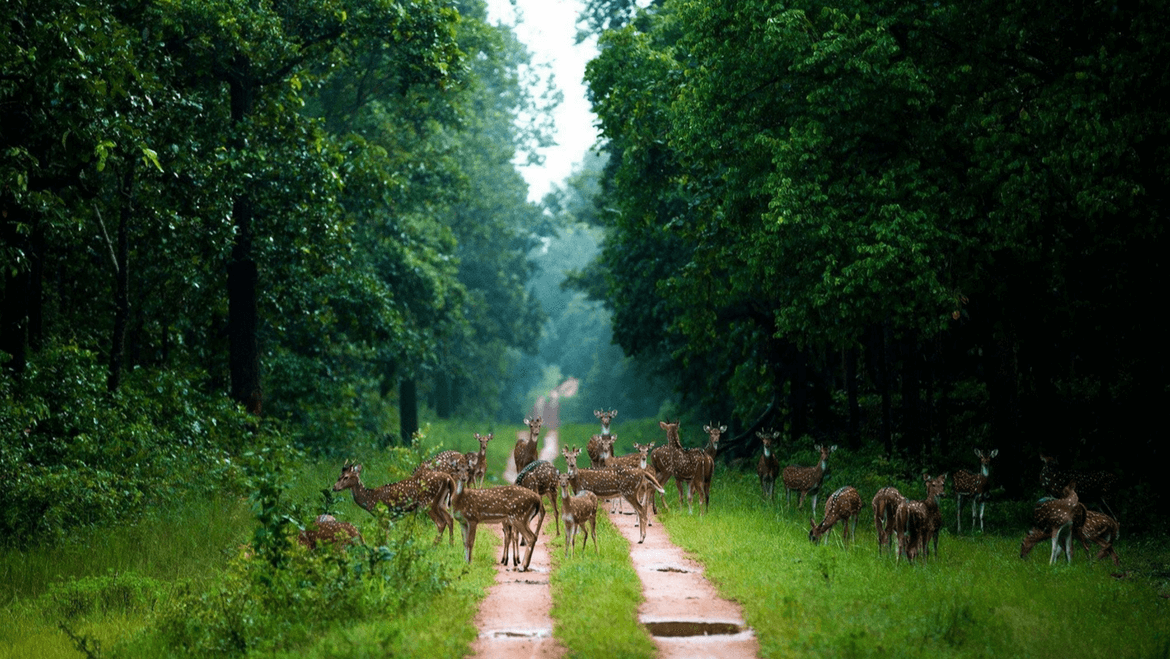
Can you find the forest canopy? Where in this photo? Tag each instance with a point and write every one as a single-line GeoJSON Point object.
{"type": "Point", "coordinates": [929, 225]}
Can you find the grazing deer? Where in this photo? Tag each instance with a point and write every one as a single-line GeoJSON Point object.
{"type": "Point", "coordinates": [541, 477]}
{"type": "Point", "coordinates": [511, 505]}
{"type": "Point", "coordinates": [630, 484]}
{"type": "Point", "coordinates": [1093, 485]}
{"type": "Point", "coordinates": [579, 510]}
{"type": "Point", "coordinates": [912, 519]}
{"type": "Point", "coordinates": [326, 528]}
{"type": "Point", "coordinates": [885, 503]}
{"type": "Point", "coordinates": [840, 506]}
{"type": "Point", "coordinates": [1103, 530]}
{"type": "Point", "coordinates": [975, 486]}
{"type": "Point", "coordinates": [769, 466]}
{"type": "Point", "coordinates": [480, 471]}
{"type": "Point", "coordinates": [807, 480]}
{"type": "Point", "coordinates": [423, 488]}
{"type": "Point", "coordinates": [1059, 519]}
{"type": "Point", "coordinates": [525, 451]}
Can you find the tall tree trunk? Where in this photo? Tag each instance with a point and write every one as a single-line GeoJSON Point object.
{"type": "Point", "coordinates": [443, 396]}
{"type": "Point", "coordinates": [120, 253]}
{"type": "Point", "coordinates": [882, 367]}
{"type": "Point", "coordinates": [1002, 373]}
{"type": "Point", "coordinates": [851, 396]}
{"type": "Point", "coordinates": [17, 283]}
{"type": "Point", "coordinates": [407, 410]}
{"type": "Point", "coordinates": [242, 270]}
{"type": "Point", "coordinates": [911, 393]}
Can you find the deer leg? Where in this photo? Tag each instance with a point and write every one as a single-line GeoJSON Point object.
{"type": "Point", "coordinates": [468, 540]}
{"type": "Point", "coordinates": [531, 538]}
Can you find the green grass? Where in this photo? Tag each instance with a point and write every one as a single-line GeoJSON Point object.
{"type": "Point", "coordinates": [976, 599]}
{"type": "Point", "coordinates": [596, 596]}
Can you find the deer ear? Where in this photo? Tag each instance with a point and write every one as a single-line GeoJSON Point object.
{"type": "Point", "coordinates": [597, 413]}
{"type": "Point", "coordinates": [994, 452]}
{"type": "Point", "coordinates": [832, 448]}
{"type": "Point", "coordinates": [722, 428]}
{"type": "Point", "coordinates": [706, 428]}
{"type": "Point", "coordinates": [613, 413]}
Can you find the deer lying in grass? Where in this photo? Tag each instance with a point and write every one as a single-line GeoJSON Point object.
{"type": "Point", "coordinates": [976, 486]}
{"type": "Point", "coordinates": [525, 451]}
{"type": "Point", "coordinates": [885, 503]}
{"type": "Point", "coordinates": [580, 509]}
{"type": "Point", "coordinates": [913, 519]}
{"type": "Point", "coordinates": [768, 467]}
{"type": "Point", "coordinates": [1059, 519]}
{"type": "Point", "coordinates": [326, 528]}
{"type": "Point", "coordinates": [630, 484]}
{"type": "Point", "coordinates": [431, 489]}
{"type": "Point", "coordinates": [511, 505]}
{"type": "Point", "coordinates": [841, 506]}
{"type": "Point", "coordinates": [806, 480]}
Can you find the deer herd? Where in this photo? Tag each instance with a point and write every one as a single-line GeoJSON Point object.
{"type": "Point", "coordinates": [449, 488]}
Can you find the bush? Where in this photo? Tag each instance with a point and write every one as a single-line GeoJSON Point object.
{"type": "Point", "coordinates": [73, 454]}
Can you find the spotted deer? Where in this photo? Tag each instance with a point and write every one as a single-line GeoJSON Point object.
{"type": "Point", "coordinates": [807, 480]}
{"type": "Point", "coordinates": [975, 486]}
{"type": "Point", "coordinates": [913, 519]}
{"type": "Point", "coordinates": [447, 462]}
{"type": "Point", "coordinates": [1102, 530]}
{"type": "Point", "coordinates": [511, 505]}
{"type": "Point", "coordinates": [714, 433]}
{"type": "Point", "coordinates": [480, 471]}
{"type": "Point", "coordinates": [628, 483]}
{"type": "Point", "coordinates": [664, 461]}
{"type": "Point", "coordinates": [934, 520]}
{"type": "Point", "coordinates": [1092, 485]}
{"type": "Point", "coordinates": [689, 466]}
{"type": "Point", "coordinates": [768, 467]}
{"type": "Point", "coordinates": [525, 451]}
{"type": "Point", "coordinates": [541, 477]}
{"type": "Point", "coordinates": [1059, 519]}
{"type": "Point", "coordinates": [326, 528]}
{"type": "Point", "coordinates": [885, 503]}
{"type": "Point", "coordinates": [599, 449]}
{"type": "Point", "coordinates": [841, 506]}
{"type": "Point", "coordinates": [425, 487]}
{"type": "Point", "coordinates": [595, 447]}
{"type": "Point", "coordinates": [639, 459]}
{"type": "Point", "coordinates": [605, 418]}
{"type": "Point", "coordinates": [580, 509]}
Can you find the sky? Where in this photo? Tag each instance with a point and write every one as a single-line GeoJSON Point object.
{"type": "Point", "coordinates": [548, 28]}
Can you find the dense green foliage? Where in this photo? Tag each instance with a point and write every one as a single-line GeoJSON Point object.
{"type": "Point", "coordinates": [289, 208]}
{"type": "Point", "coordinates": [930, 225]}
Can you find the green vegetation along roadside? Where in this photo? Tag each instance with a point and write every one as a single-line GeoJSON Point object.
{"type": "Point", "coordinates": [977, 598]}
{"type": "Point", "coordinates": [184, 582]}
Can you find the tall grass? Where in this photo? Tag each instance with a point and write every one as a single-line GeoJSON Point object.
{"type": "Point", "coordinates": [975, 599]}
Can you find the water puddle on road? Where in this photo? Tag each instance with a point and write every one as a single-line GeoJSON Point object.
{"type": "Point", "coordinates": [688, 628]}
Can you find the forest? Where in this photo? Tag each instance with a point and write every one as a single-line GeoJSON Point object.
{"type": "Point", "coordinates": [243, 236]}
